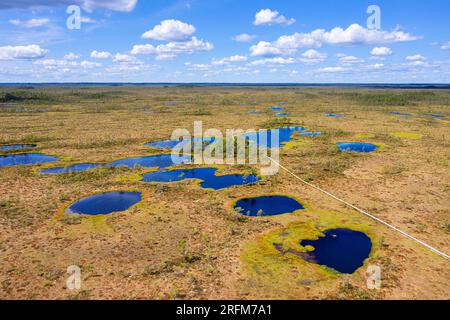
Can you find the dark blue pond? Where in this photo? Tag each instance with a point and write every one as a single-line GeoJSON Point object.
{"type": "Point", "coordinates": [282, 114]}
{"type": "Point", "coordinates": [209, 179]}
{"type": "Point", "coordinates": [285, 134]}
{"type": "Point", "coordinates": [276, 108]}
{"type": "Point", "coordinates": [156, 161]}
{"type": "Point", "coordinates": [169, 144]}
{"type": "Point", "coordinates": [341, 249]}
{"type": "Point", "coordinates": [356, 146]}
{"type": "Point", "coordinates": [79, 167]}
{"type": "Point", "coordinates": [159, 161]}
{"type": "Point", "coordinates": [105, 203]}
{"type": "Point", "coordinates": [439, 116]}
{"type": "Point", "coordinates": [25, 158]}
{"type": "Point", "coordinates": [267, 205]}
{"type": "Point", "coordinates": [400, 113]}
{"type": "Point", "coordinates": [334, 115]}
{"type": "Point", "coordinates": [310, 134]}
{"type": "Point", "coordinates": [17, 147]}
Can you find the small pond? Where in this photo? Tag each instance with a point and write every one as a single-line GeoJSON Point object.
{"type": "Point", "coordinates": [25, 158]}
{"type": "Point", "coordinates": [207, 176]}
{"type": "Point", "coordinates": [334, 115]}
{"type": "Point", "coordinates": [169, 144]}
{"type": "Point", "coordinates": [17, 147]}
{"type": "Point", "coordinates": [276, 108]}
{"type": "Point", "coordinates": [404, 114]}
{"type": "Point", "coordinates": [267, 205]}
{"type": "Point", "coordinates": [341, 249]}
{"type": "Point", "coordinates": [356, 147]}
{"type": "Point", "coordinates": [282, 114]}
{"type": "Point", "coordinates": [310, 134]}
{"type": "Point", "coordinates": [104, 203]}
{"type": "Point", "coordinates": [158, 161]}
{"type": "Point", "coordinates": [285, 134]}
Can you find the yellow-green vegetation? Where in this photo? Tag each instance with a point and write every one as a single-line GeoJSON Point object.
{"type": "Point", "coordinates": [185, 242]}
{"type": "Point", "coordinates": [408, 135]}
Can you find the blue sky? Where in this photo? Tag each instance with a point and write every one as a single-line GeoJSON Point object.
{"type": "Point", "coordinates": [225, 41]}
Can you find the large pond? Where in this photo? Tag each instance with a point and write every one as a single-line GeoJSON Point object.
{"type": "Point", "coordinates": [25, 158]}
{"type": "Point", "coordinates": [341, 249]}
{"type": "Point", "coordinates": [356, 147]}
{"type": "Point", "coordinates": [104, 203]}
{"type": "Point", "coordinates": [267, 205]}
{"type": "Point", "coordinates": [208, 177]}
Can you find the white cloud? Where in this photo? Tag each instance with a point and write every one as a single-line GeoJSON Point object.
{"type": "Point", "coordinates": [331, 70]}
{"type": "Point", "coordinates": [376, 66]}
{"type": "Point", "coordinates": [346, 60]}
{"type": "Point", "coordinates": [88, 5]}
{"type": "Point", "coordinates": [381, 51]}
{"type": "Point", "coordinates": [264, 48]}
{"type": "Point", "coordinates": [446, 46]}
{"type": "Point", "coordinates": [269, 17]}
{"type": "Point", "coordinates": [353, 35]}
{"type": "Point", "coordinates": [100, 54]}
{"type": "Point", "coordinates": [86, 19]}
{"type": "Point", "coordinates": [28, 52]}
{"type": "Point", "coordinates": [243, 37]}
{"type": "Point", "coordinates": [312, 56]}
{"type": "Point", "coordinates": [416, 57]}
{"type": "Point", "coordinates": [171, 49]}
{"type": "Point", "coordinates": [71, 56]}
{"type": "Point", "coordinates": [197, 66]}
{"type": "Point", "coordinates": [89, 65]}
{"type": "Point", "coordinates": [31, 23]}
{"type": "Point", "coordinates": [123, 58]}
{"type": "Point", "coordinates": [170, 30]}
{"type": "Point", "coordinates": [273, 61]}
{"type": "Point", "coordinates": [226, 60]}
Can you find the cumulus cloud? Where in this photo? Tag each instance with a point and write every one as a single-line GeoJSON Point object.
{"type": "Point", "coordinates": [269, 17]}
{"type": "Point", "coordinates": [264, 48]}
{"type": "Point", "coordinates": [353, 35]}
{"type": "Point", "coordinates": [170, 30]}
{"type": "Point", "coordinates": [243, 37]}
{"type": "Point", "coordinates": [28, 52]}
{"type": "Point", "coordinates": [416, 57]}
{"type": "Point", "coordinates": [273, 61]}
{"type": "Point", "coordinates": [331, 70]}
{"type": "Point", "coordinates": [100, 54]}
{"type": "Point", "coordinates": [61, 64]}
{"type": "Point", "coordinates": [171, 49]}
{"type": "Point", "coordinates": [71, 56]}
{"type": "Point", "coordinates": [446, 46]}
{"type": "Point", "coordinates": [31, 23]}
{"type": "Point", "coordinates": [346, 60]}
{"type": "Point", "coordinates": [312, 56]}
{"type": "Point", "coordinates": [381, 51]}
{"type": "Point", "coordinates": [226, 60]}
{"type": "Point", "coordinates": [88, 5]}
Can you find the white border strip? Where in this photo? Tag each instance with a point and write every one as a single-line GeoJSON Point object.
{"type": "Point", "coordinates": [443, 254]}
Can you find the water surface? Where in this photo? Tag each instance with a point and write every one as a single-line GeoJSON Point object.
{"type": "Point", "coordinates": [17, 147]}
{"type": "Point", "coordinates": [207, 176]}
{"type": "Point", "coordinates": [25, 159]}
{"type": "Point", "coordinates": [356, 147]}
{"type": "Point", "coordinates": [267, 205]}
{"type": "Point", "coordinates": [104, 203]}
{"type": "Point", "coordinates": [285, 134]}
{"type": "Point", "coordinates": [341, 249]}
